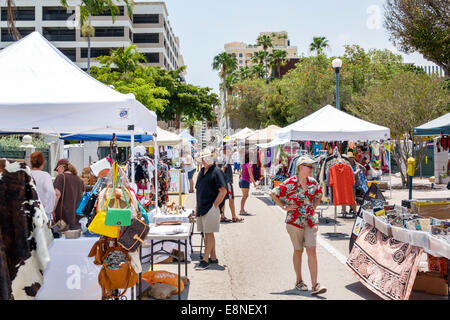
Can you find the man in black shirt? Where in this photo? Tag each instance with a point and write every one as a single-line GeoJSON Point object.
{"type": "Point", "coordinates": [211, 190]}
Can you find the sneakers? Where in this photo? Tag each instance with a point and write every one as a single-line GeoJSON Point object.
{"type": "Point", "coordinates": [318, 289]}
{"type": "Point", "coordinates": [213, 261]}
{"type": "Point", "coordinates": [301, 286]}
{"type": "Point", "coordinates": [203, 265]}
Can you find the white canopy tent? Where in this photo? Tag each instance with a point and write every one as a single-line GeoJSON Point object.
{"type": "Point", "coordinates": [265, 135]}
{"type": "Point", "coordinates": [43, 91]}
{"type": "Point", "coordinates": [165, 138]}
{"type": "Point", "coordinates": [331, 124]}
{"type": "Point", "coordinates": [244, 133]}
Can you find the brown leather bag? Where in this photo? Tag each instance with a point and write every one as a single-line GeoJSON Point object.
{"type": "Point", "coordinates": [99, 250]}
{"type": "Point", "coordinates": [134, 236]}
{"type": "Point", "coordinates": [121, 279]}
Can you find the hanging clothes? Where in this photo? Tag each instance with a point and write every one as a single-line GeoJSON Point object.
{"type": "Point", "coordinates": [24, 234]}
{"type": "Point", "coordinates": [342, 181]}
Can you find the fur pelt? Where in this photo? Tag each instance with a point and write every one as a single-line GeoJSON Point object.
{"type": "Point", "coordinates": [24, 233]}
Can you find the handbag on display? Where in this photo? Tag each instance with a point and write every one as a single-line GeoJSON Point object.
{"type": "Point", "coordinates": [90, 206]}
{"type": "Point", "coordinates": [134, 235]}
{"type": "Point", "coordinates": [117, 273]}
{"type": "Point", "coordinates": [82, 205]}
{"type": "Point", "coordinates": [116, 216]}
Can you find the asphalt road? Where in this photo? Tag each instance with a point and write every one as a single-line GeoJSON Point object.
{"type": "Point", "coordinates": [255, 258]}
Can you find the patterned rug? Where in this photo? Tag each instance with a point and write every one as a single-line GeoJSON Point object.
{"type": "Point", "coordinates": [384, 265]}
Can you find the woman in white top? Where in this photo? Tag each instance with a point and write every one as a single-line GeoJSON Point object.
{"type": "Point", "coordinates": [189, 168]}
{"type": "Point", "coordinates": [44, 183]}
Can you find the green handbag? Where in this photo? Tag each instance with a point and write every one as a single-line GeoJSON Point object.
{"type": "Point", "coordinates": [118, 217]}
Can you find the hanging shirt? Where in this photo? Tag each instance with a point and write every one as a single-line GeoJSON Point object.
{"type": "Point", "coordinates": [342, 181]}
{"type": "Point", "coordinates": [293, 193]}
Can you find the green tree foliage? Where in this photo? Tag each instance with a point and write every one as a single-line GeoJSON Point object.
{"type": "Point", "coordinates": [421, 25]}
{"type": "Point", "coordinates": [157, 89]}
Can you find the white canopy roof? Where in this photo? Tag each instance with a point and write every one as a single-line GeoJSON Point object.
{"type": "Point", "coordinates": [244, 133]}
{"type": "Point", "coordinates": [42, 89]}
{"type": "Point", "coordinates": [165, 138]}
{"type": "Point", "coordinates": [331, 124]}
{"type": "Point", "coordinates": [264, 135]}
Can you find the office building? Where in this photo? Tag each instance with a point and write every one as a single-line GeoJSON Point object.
{"type": "Point", "coordinates": [148, 28]}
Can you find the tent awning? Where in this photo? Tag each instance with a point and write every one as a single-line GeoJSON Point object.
{"type": "Point", "coordinates": [436, 127]}
{"type": "Point", "coordinates": [107, 137]}
{"type": "Point", "coordinates": [331, 124]}
{"type": "Point", "coordinates": [42, 90]}
{"type": "Point", "coordinates": [264, 135]}
{"type": "Point", "coordinates": [244, 133]}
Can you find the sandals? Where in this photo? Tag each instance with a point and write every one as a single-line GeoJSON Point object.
{"type": "Point", "coordinates": [244, 214]}
{"type": "Point", "coordinates": [225, 220]}
{"type": "Point", "coordinates": [238, 220]}
{"type": "Point", "coordinates": [317, 289]}
{"type": "Point", "coordinates": [301, 286]}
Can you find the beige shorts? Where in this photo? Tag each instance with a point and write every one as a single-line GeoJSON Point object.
{"type": "Point", "coordinates": [210, 222]}
{"type": "Point", "coordinates": [302, 238]}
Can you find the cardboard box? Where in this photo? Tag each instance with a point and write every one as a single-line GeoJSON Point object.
{"type": "Point", "coordinates": [431, 283]}
{"type": "Point", "coordinates": [438, 210]}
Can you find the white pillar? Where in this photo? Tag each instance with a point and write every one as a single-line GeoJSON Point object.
{"type": "Point", "coordinates": [156, 152]}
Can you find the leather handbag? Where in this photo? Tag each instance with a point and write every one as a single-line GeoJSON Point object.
{"type": "Point", "coordinates": [118, 276]}
{"type": "Point", "coordinates": [99, 250]}
{"type": "Point", "coordinates": [134, 235]}
{"type": "Point", "coordinates": [82, 205]}
{"type": "Point", "coordinates": [89, 208]}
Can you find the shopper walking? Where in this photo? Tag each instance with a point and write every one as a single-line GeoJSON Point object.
{"type": "Point", "coordinates": [69, 191]}
{"type": "Point", "coordinates": [302, 195]}
{"type": "Point", "coordinates": [244, 183]}
{"type": "Point", "coordinates": [211, 190]}
{"type": "Point", "coordinates": [189, 168]}
{"type": "Point", "coordinates": [236, 162]}
{"type": "Point", "coordinates": [44, 184]}
{"type": "Point", "coordinates": [228, 175]}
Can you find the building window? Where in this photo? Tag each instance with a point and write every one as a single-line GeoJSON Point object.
{"type": "Point", "coordinates": [152, 57]}
{"type": "Point", "coordinates": [146, 38]}
{"type": "Point", "coordinates": [240, 55]}
{"type": "Point", "coordinates": [7, 37]}
{"type": "Point", "coordinates": [56, 13]}
{"type": "Point", "coordinates": [96, 52]}
{"type": "Point", "coordinates": [131, 35]}
{"type": "Point", "coordinates": [70, 53]}
{"type": "Point", "coordinates": [241, 62]}
{"type": "Point", "coordinates": [146, 18]}
{"type": "Point", "coordinates": [108, 32]}
{"type": "Point", "coordinates": [22, 14]}
{"type": "Point", "coordinates": [59, 34]}
{"type": "Point", "coordinates": [107, 12]}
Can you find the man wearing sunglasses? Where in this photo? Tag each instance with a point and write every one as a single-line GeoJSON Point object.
{"type": "Point", "coordinates": [301, 195]}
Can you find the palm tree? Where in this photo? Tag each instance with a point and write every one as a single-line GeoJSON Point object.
{"type": "Point", "coordinates": [278, 59]}
{"type": "Point", "coordinates": [258, 71]}
{"type": "Point", "coordinates": [125, 59]}
{"type": "Point", "coordinates": [319, 44]}
{"type": "Point", "coordinates": [226, 64]}
{"type": "Point", "coordinates": [88, 8]}
{"type": "Point", "coordinates": [259, 57]}
{"type": "Point", "coordinates": [266, 42]}
{"type": "Point", "coordinates": [11, 17]}
{"type": "Point", "coordinates": [244, 73]}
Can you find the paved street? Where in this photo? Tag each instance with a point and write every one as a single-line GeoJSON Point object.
{"type": "Point", "coordinates": [256, 258]}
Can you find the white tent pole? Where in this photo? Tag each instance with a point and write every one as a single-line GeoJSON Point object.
{"type": "Point", "coordinates": [133, 169]}
{"type": "Point", "coordinates": [390, 167]}
{"type": "Point", "coordinates": [156, 169]}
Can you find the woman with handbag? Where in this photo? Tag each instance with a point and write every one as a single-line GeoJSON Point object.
{"type": "Point", "coordinates": [69, 191]}
{"type": "Point", "coordinates": [44, 184]}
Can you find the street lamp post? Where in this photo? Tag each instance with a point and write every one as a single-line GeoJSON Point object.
{"type": "Point", "coordinates": [337, 65]}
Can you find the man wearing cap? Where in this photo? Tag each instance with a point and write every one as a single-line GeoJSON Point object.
{"type": "Point", "coordinates": [302, 195]}
{"type": "Point", "coordinates": [211, 190]}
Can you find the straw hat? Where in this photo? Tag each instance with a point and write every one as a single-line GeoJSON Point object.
{"type": "Point", "coordinates": [350, 155]}
{"type": "Point", "coordinates": [304, 160]}
{"type": "Point", "coordinates": [205, 153]}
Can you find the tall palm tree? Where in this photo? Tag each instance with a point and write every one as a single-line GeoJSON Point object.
{"type": "Point", "coordinates": [258, 71]}
{"type": "Point", "coordinates": [266, 42]}
{"type": "Point", "coordinates": [244, 73]}
{"type": "Point", "coordinates": [125, 59]}
{"type": "Point", "coordinates": [225, 63]}
{"type": "Point", "coordinates": [278, 58]}
{"type": "Point", "coordinates": [259, 57]}
{"type": "Point", "coordinates": [319, 44]}
{"type": "Point", "coordinates": [88, 8]}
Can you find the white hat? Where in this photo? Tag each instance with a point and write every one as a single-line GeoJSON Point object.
{"type": "Point", "coordinates": [304, 160]}
{"type": "Point", "coordinates": [204, 154]}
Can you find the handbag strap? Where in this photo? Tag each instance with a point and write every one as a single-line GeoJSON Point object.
{"type": "Point", "coordinates": [114, 187]}
{"type": "Point", "coordinates": [62, 196]}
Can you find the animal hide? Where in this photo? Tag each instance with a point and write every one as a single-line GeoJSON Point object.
{"type": "Point", "coordinates": [384, 265]}
{"type": "Point", "coordinates": [24, 233]}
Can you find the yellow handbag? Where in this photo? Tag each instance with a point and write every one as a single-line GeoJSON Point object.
{"type": "Point", "coordinates": [98, 223]}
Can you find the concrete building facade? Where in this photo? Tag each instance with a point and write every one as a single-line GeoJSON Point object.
{"type": "Point", "coordinates": [148, 28]}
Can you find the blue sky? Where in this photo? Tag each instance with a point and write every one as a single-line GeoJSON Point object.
{"type": "Point", "coordinates": [204, 26]}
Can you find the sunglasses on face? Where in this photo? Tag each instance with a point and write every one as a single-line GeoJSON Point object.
{"type": "Point", "coordinates": [309, 166]}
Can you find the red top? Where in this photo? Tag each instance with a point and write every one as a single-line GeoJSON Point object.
{"type": "Point", "coordinates": [342, 181]}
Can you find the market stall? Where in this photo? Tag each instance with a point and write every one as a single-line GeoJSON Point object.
{"type": "Point", "coordinates": [328, 128]}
